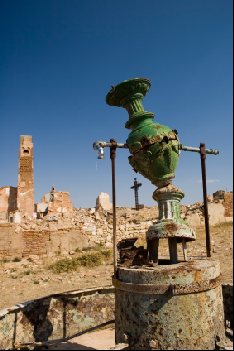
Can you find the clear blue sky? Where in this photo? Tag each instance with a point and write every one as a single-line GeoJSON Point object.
{"type": "Point", "coordinates": [58, 59]}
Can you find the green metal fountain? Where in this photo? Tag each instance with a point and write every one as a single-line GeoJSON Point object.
{"type": "Point", "coordinates": [154, 152]}
{"type": "Point", "coordinates": [161, 304]}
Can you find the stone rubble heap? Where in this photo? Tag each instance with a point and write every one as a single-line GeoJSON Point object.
{"type": "Point", "coordinates": [82, 228]}
{"type": "Point", "coordinates": [98, 224]}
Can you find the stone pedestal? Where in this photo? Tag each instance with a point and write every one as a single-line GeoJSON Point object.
{"type": "Point", "coordinates": [170, 307]}
{"type": "Point", "coordinates": [169, 225]}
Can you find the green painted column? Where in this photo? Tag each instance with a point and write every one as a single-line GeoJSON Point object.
{"type": "Point", "coordinates": [154, 150]}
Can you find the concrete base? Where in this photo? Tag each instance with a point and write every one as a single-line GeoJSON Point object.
{"type": "Point", "coordinates": [170, 307]}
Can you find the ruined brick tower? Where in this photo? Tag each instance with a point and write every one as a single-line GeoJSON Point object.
{"type": "Point", "coordinates": [25, 190]}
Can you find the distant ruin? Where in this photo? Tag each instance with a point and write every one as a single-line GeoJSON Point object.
{"type": "Point", "coordinates": [8, 203]}
{"type": "Point", "coordinates": [53, 203]}
{"type": "Point", "coordinates": [17, 203]}
{"type": "Point", "coordinates": [25, 189]}
{"type": "Point", "coordinates": [103, 201]}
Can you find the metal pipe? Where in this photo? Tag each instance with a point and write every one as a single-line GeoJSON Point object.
{"type": "Point", "coordinates": [100, 143]}
{"type": "Point", "coordinates": [113, 146]}
{"type": "Point", "coordinates": [196, 149]}
{"type": "Point", "coordinates": [206, 215]}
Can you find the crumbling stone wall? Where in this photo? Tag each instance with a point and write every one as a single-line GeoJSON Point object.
{"type": "Point", "coordinates": [79, 229]}
{"type": "Point", "coordinates": [56, 317]}
{"type": "Point", "coordinates": [61, 203]}
{"type": "Point", "coordinates": [228, 204]}
{"type": "Point", "coordinates": [8, 202]}
{"type": "Point", "coordinates": [41, 243]}
{"type": "Point", "coordinates": [11, 244]}
{"type": "Point", "coordinates": [82, 228]}
{"type": "Point", "coordinates": [54, 203]}
{"type": "Point", "coordinates": [103, 201]}
{"type": "Point", "coordinates": [220, 210]}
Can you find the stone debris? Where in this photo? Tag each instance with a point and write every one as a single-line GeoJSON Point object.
{"type": "Point", "coordinates": [79, 228]}
{"type": "Point", "coordinates": [103, 201]}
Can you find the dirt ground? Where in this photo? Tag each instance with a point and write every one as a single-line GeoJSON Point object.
{"type": "Point", "coordinates": [30, 278]}
{"type": "Point", "coordinates": [97, 340]}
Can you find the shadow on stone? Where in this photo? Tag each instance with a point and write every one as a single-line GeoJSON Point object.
{"type": "Point", "coordinates": [37, 316]}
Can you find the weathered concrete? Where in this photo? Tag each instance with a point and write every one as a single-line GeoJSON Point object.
{"type": "Point", "coordinates": [56, 317]}
{"type": "Point", "coordinates": [165, 307]}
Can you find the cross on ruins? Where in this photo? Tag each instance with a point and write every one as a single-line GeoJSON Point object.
{"type": "Point", "coordinates": [136, 186]}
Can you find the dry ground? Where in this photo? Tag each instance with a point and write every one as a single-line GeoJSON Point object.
{"type": "Point", "coordinates": [30, 278]}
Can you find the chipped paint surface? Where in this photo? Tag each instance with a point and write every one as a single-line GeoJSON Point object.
{"type": "Point", "coordinates": [154, 147]}
{"type": "Point", "coordinates": [162, 321]}
{"type": "Point", "coordinates": [169, 223]}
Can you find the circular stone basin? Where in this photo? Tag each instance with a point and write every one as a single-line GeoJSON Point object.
{"type": "Point", "coordinates": [197, 271]}
{"type": "Point", "coordinates": [170, 307]}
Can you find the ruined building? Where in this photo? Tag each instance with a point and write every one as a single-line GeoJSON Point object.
{"type": "Point", "coordinates": [53, 203]}
{"type": "Point", "coordinates": [103, 201]}
{"type": "Point", "coordinates": [8, 204]}
{"type": "Point", "coordinates": [18, 202]}
{"type": "Point", "coordinates": [25, 189]}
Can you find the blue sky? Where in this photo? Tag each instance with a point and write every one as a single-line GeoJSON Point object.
{"type": "Point", "coordinates": [58, 60]}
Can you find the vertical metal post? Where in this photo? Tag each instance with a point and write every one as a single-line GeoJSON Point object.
{"type": "Point", "coordinates": [203, 171]}
{"type": "Point", "coordinates": [112, 157]}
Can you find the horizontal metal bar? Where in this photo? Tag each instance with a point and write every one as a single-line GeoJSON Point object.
{"type": "Point", "coordinates": [100, 143]}
{"type": "Point", "coordinates": [197, 149]}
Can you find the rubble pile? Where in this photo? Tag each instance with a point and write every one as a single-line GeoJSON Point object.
{"type": "Point", "coordinates": [78, 228]}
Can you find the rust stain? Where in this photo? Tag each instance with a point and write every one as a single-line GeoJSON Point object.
{"type": "Point", "coordinates": [171, 227]}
